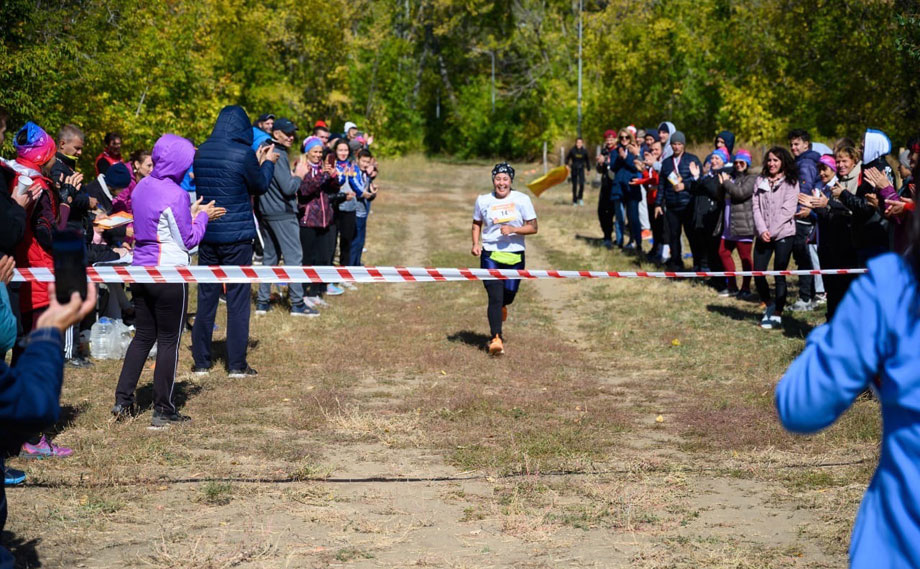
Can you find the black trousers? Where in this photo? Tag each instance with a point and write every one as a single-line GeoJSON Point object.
{"type": "Point", "coordinates": [657, 224]}
{"type": "Point", "coordinates": [763, 250]}
{"type": "Point", "coordinates": [606, 209]}
{"type": "Point", "coordinates": [238, 301]}
{"type": "Point", "coordinates": [160, 311]}
{"type": "Point", "coordinates": [578, 184]}
{"type": "Point", "coordinates": [677, 219]}
{"type": "Point", "coordinates": [803, 232]}
{"type": "Point", "coordinates": [346, 222]}
{"type": "Point", "coordinates": [318, 248]}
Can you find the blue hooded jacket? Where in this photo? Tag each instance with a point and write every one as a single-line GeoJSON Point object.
{"type": "Point", "coordinates": [227, 171]}
{"type": "Point", "coordinates": [871, 342]}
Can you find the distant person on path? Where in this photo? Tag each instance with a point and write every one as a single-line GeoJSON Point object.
{"type": "Point", "coordinates": [577, 161]}
{"type": "Point", "coordinates": [501, 219]}
{"type": "Point", "coordinates": [111, 154]}
{"type": "Point", "coordinates": [229, 172]}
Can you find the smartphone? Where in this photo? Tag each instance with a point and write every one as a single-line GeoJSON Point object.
{"type": "Point", "coordinates": [69, 251]}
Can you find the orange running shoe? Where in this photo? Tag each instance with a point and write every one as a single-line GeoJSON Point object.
{"type": "Point", "coordinates": [504, 313]}
{"type": "Point", "coordinates": [496, 348]}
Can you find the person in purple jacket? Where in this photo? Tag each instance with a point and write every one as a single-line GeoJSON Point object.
{"type": "Point", "coordinates": [166, 227]}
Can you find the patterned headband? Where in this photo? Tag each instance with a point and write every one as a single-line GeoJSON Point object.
{"type": "Point", "coordinates": [503, 168]}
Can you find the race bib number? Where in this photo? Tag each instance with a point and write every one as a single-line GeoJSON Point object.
{"type": "Point", "coordinates": [502, 213]}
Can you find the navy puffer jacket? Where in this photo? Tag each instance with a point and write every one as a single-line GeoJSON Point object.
{"type": "Point", "coordinates": [227, 171]}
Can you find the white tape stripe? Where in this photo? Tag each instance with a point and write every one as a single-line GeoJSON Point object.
{"type": "Point", "coordinates": [327, 274]}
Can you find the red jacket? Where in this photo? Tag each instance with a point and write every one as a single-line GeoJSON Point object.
{"type": "Point", "coordinates": [35, 248]}
{"type": "Point", "coordinates": [649, 179]}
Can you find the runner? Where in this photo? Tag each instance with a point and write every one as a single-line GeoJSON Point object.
{"type": "Point", "coordinates": [501, 219]}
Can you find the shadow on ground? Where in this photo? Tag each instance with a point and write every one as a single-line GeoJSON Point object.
{"type": "Point", "coordinates": [470, 338]}
{"type": "Point", "coordinates": [792, 327]}
{"type": "Point", "coordinates": [25, 552]}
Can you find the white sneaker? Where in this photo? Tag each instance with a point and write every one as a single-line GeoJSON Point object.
{"type": "Point", "coordinates": [315, 301]}
{"type": "Point", "coordinates": [802, 306]}
{"type": "Point", "coordinates": [767, 321]}
{"type": "Point", "coordinates": [349, 285]}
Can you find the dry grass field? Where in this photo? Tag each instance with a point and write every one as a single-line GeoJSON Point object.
{"type": "Point", "coordinates": [630, 424]}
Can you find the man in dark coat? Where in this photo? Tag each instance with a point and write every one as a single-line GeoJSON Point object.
{"type": "Point", "coordinates": [229, 172]}
{"type": "Point", "coordinates": [680, 172]}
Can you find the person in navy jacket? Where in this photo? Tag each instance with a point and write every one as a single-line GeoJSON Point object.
{"type": "Point", "coordinates": [680, 172]}
{"type": "Point", "coordinates": [230, 173]}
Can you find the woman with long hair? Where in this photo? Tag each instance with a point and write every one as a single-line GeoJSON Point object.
{"type": "Point", "coordinates": [776, 197]}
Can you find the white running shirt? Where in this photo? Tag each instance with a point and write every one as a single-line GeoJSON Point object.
{"type": "Point", "coordinates": [513, 210]}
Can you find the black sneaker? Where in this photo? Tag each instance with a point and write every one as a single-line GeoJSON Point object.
{"type": "Point", "coordinates": [201, 370]}
{"type": "Point", "coordinates": [163, 420]}
{"type": "Point", "coordinates": [122, 412]}
{"type": "Point", "coordinates": [238, 373]}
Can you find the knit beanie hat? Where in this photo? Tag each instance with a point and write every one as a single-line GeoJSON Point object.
{"type": "Point", "coordinates": [744, 156]}
{"type": "Point", "coordinates": [828, 161]}
{"type": "Point", "coordinates": [37, 146]}
{"type": "Point", "coordinates": [608, 133]}
{"type": "Point", "coordinates": [678, 136]}
{"type": "Point", "coordinates": [117, 176]}
{"type": "Point", "coordinates": [311, 142]}
{"type": "Point", "coordinates": [721, 154]}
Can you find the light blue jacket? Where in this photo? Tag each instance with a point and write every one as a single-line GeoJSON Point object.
{"type": "Point", "coordinates": [7, 321]}
{"type": "Point", "coordinates": [873, 341]}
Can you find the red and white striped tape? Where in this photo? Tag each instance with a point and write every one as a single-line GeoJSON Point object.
{"type": "Point", "coordinates": [326, 274]}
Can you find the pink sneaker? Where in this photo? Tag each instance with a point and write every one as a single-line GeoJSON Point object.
{"type": "Point", "coordinates": [44, 449]}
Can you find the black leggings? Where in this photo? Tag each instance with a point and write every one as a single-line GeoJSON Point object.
{"type": "Point", "coordinates": [578, 184]}
{"type": "Point", "coordinates": [501, 293]}
{"type": "Point", "coordinates": [318, 248]}
{"type": "Point", "coordinates": [763, 250]}
{"type": "Point", "coordinates": [346, 221]}
{"type": "Point", "coordinates": [160, 311]}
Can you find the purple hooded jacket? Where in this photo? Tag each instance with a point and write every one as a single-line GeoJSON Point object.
{"type": "Point", "coordinates": [164, 231]}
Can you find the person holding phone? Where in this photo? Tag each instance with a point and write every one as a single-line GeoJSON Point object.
{"type": "Point", "coordinates": [501, 219]}
{"type": "Point", "coordinates": [167, 226]}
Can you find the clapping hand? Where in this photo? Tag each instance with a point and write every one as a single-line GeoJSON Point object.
{"type": "Point", "coordinates": [872, 199]}
{"type": "Point", "coordinates": [7, 264]}
{"type": "Point", "coordinates": [895, 208]}
{"type": "Point", "coordinates": [876, 178]}
{"type": "Point", "coordinates": [694, 169]}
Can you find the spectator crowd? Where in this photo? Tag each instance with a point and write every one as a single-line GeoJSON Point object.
{"type": "Point", "coordinates": [253, 192]}
{"type": "Point", "coordinates": [826, 208]}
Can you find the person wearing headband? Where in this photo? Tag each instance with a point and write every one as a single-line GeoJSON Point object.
{"type": "Point", "coordinates": [501, 219]}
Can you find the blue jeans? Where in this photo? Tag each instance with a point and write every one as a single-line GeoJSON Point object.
{"type": "Point", "coordinates": [357, 245]}
{"type": "Point", "coordinates": [618, 225]}
{"type": "Point", "coordinates": [237, 306]}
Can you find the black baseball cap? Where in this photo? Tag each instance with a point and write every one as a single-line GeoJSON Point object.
{"type": "Point", "coordinates": [285, 126]}
{"type": "Point", "coordinates": [265, 117]}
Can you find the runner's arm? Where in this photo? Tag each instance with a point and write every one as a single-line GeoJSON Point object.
{"type": "Point", "coordinates": [476, 234]}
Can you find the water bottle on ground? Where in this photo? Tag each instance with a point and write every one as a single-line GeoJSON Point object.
{"type": "Point", "coordinates": [100, 339]}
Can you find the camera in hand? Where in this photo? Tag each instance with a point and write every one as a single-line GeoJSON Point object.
{"type": "Point", "coordinates": [69, 252]}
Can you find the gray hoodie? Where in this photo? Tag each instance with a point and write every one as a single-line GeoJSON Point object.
{"type": "Point", "coordinates": [280, 201]}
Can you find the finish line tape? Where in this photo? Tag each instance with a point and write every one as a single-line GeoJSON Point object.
{"type": "Point", "coordinates": [327, 274]}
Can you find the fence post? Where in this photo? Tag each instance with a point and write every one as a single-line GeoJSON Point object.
{"type": "Point", "coordinates": [544, 158]}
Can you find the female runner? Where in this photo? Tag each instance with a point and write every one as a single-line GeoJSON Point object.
{"type": "Point", "coordinates": [501, 219]}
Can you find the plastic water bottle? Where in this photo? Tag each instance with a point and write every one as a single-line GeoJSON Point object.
{"type": "Point", "coordinates": [100, 339]}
